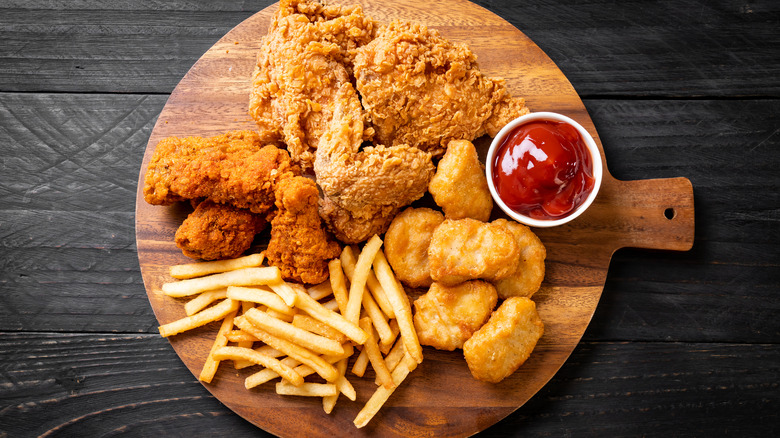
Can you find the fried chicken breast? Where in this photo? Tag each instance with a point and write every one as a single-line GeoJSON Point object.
{"type": "Point", "coordinates": [422, 90]}
{"type": "Point", "coordinates": [299, 245]}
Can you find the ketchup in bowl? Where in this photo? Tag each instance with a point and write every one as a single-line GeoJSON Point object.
{"type": "Point", "coordinates": [543, 168]}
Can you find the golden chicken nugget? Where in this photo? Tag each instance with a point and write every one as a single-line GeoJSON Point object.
{"type": "Point", "coordinates": [406, 245]}
{"type": "Point", "coordinates": [525, 281]}
{"type": "Point", "coordinates": [446, 316]}
{"type": "Point", "coordinates": [467, 249]}
{"type": "Point", "coordinates": [460, 186]}
{"type": "Point", "coordinates": [504, 343]}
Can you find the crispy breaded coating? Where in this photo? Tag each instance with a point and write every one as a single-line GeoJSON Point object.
{"type": "Point", "coordinates": [299, 245]}
{"type": "Point", "coordinates": [422, 90]}
{"type": "Point", "coordinates": [446, 316]}
{"type": "Point", "coordinates": [467, 249]}
{"type": "Point", "coordinates": [406, 245]}
{"type": "Point", "coordinates": [528, 276]}
{"type": "Point", "coordinates": [233, 168]}
{"type": "Point", "coordinates": [460, 186]}
{"type": "Point", "coordinates": [217, 231]}
{"type": "Point", "coordinates": [504, 343]}
{"type": "Point", "coordinates": [306, 54]}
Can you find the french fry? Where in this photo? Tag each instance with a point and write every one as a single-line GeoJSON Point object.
{"type": "Point", "coordinates": [338, 284]}
{"type": "Point", "coordinates": [240, 336]}
{"type": "Point", "coordinates": [329, 317]}
{"type": "Point", "coordinates": [329, 402]}
{"type": "Point", "coordinates": [203, 300]}
{"type": "Point", "coordinates": [267, 374]}
{"type": "Point", "coordinates": [310, 324]}
{"type": "Point", "coordinates": [239, 353]}
{"type": "Point", "coordinates": [320, 291]}
{"type": "Point", "coordinates": [284, 290]}
{"type": "Point", "coordinates": [239, 277]}
{"type": "Point", "coordinates": [403, 309]}
{"type": "Point", "coordinates": [201, 318]}
{"type": "Point", "coordinates": [285, 330]}
{"type": "Point", "coordinates": [385, 347]}
{"type": "Point", "coordinates": [279, 315]}
{"type": "Point", "coordinates": [200, 269]}
{"type": "Point", "coordinates": [348, 262]}
{"type": "Point", "coordinates": [260, 296]}
{"type": "Point", "coordinates": [331, 305]}
{"type": "Point", "coordinates": [374, 356]}
{"type": "Point", "coordinates": [358, 284]}
{"type": "Point", "coordinates": [241, 364]}
{"type": "Point", "coordinates": [320, 366]}
{"type": "Point", "coordinates": [377, 318]}
{"type": "Point", "coordinates": [361, 363]}
{"type": "Point", "coordinates": [308, 389]}
{"type": "Point", "coordinates": [380, 396]}
{"type": "Point", "coordinates": [210, 366]}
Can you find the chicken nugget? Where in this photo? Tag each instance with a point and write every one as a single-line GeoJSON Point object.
{"type": "Point", "coordinates": [459, 186]}
{"type": "Point", "coordinates": [467, 249]}
{"type": "Point", "coordinates": [406, 245]}
{"type": "Point", "coordinates": [525, 281]}
{"type": "Point", "coordinates": [505, 342]}
{"type": "Point", "coordinates": [446, 316]}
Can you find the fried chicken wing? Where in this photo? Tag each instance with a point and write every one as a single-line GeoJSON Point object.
{"type": "Point", "coordinates": [467, 249]}
{"type": "Point", "coordinates": [447, 316]}
{"type": "Point", "coordinates": [406, 245]}
{"type": "Point", "coordinates": [459, 186]}
{"type": "Point", "coordinates": [504, 343]}
{"type": "Point", "coordinates": [299, 245]}
{"type": "Point", "coordinates": [306, 54]}
{"type": "Point", "coordinates": [423, 90]}
{"type": "Point", "coordinates": [234, 168]}
{"type": "Point", "coordinates": [528, 275]}
{"type": "Point", "coordinates": [369, 186]}
{"type": "Point", "coordinates": [217, 231]}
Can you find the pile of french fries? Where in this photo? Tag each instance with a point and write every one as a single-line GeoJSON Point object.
{"type": "Point", "coordinates": [292, 332]}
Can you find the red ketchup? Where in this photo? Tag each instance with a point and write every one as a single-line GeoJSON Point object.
{"type": "Point", "coordinates": [543, 170]}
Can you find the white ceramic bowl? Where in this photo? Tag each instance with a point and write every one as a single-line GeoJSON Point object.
{"type": "Point", "coordinates": [587, 139]}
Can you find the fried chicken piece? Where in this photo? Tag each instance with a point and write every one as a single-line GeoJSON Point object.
{"type": "Point", "coordinates": [423, 90]}
{"type": "Point", "coordinates": [505, 342]}
{"type": "Point", "coordinates": [367, 187]}
{"type": "Point", "coordinates": [467, 249]}
{"type": "Point", "coordinates": [217, 231]}
{"type": "Point", "coordinates": [460, 186]}
{"type": "Point", "coordinates": [233, 168]}
{"type": "Point", "coordinates": [447, 316]}
{"type": "Point", "coordinates": [306, 54]}
{"type": "Point", "coordinates": [299, 245]}
{"type": "Point", "coordinates": [406, 245]}
{"type": "Point", "coordinates": [528, 275]}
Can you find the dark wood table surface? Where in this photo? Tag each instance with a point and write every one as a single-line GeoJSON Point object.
{"type": "Point", "coordinates": [682, 344]}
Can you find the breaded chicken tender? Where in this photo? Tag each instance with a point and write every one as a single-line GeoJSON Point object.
{"type": "Point", "coordinates": [217, 231]}
{"type": "Point", "coordinates": [460, 186]}
{"type": "Point", "coordinates": [504, 343]}
{"type": "Point", "coordinates": [467, 249]}
{"type": "Point", "coordinates": [446, 316]}
{"type": "Point", "coordinates": [525, 281]}
{"type": "Point", "coordinates": [299, 244]}
{"type": "Point", "coordinates": [406, 245]}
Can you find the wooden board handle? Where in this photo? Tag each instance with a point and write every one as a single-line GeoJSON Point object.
{"type": "Point", "coordinates": [652, 214]}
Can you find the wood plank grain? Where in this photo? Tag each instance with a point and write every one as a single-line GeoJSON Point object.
{"type": "Point", "coordinates": [682, 48]}
{"type": "Point", "coordinates": [99, 384]}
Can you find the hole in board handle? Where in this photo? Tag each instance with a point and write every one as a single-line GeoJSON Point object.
{"type": "Point", "coordinates": [669, 213]}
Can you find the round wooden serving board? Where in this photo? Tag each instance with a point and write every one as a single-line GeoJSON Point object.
{"type": "Point", "coordinates": [440, 398]}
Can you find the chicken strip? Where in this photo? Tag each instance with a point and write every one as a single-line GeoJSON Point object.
{"type": "Point", "coordinates": [447, 316]}
{"type": "Point", "coordinates": [460, 186]}
{"type": "Point", "coordinates": [217, 231]}
{"type": "Point", "coordinates": [299, 245]}
{"type": "Point", "coordinates": [367, 187]}
{"type": "Point", "coordinates": [306, 54]}
{"type": "Point", "coordinates": [423, 90]}
{"type": "Point", "coordinates": [505, 342]}
{"type": "Point", "coordinates": [234, 168]}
